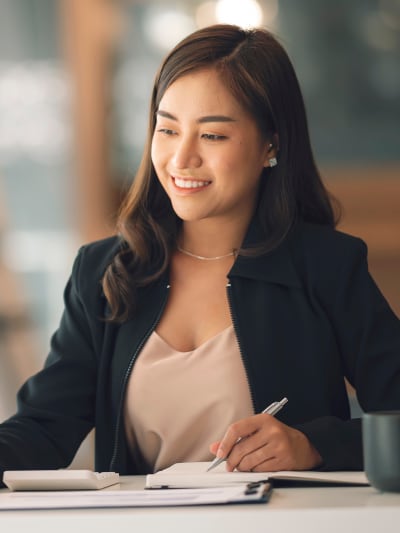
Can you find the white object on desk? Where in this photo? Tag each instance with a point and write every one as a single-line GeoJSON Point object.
{"type": "Point", "coordinates": [135, 498]}
{"type": "Point", "coordinates": [195, 474]}
{"type": "Point", "coordinates": [290, 510]}
{"type": "Point", "coordinates": [58, 479]}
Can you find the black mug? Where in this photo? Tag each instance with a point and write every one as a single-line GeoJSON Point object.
{"type": "Point", "coordinates": [381, 445]}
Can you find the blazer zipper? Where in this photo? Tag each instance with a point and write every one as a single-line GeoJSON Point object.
{"type": "Point", "coordinates": [126, 378]}
{"type": "Point", "coordinates": [235, 327]}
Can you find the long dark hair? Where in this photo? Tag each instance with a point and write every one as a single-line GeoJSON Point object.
{"type": "Point", "coordinates": [258, 72]}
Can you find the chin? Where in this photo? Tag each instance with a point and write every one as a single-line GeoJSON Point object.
{"type": "Point", "coordinates": [185, 217]}
{"type": "Point", "coordinates": [188, 215]}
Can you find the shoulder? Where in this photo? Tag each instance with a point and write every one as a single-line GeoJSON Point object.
{"type": "Point", "coordinates": [319, 240]}
{"type": "Point", "coordinates": [93, 259]}
{"type": "Point", "coordinates": [101, 252]}
{"type": "Point", "coordinates": [326, 252]}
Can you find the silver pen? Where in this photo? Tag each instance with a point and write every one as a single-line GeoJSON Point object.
{"type": "Point", "coordinates": [272, 409]}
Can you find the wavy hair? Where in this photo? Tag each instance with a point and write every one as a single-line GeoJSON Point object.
{"type": "Point", "coordinates": [258, 72]}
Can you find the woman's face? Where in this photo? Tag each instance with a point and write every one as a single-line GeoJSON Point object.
{"type": "Point", "coordinates": [207, 150]}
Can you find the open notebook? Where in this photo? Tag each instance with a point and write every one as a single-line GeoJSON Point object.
{"type": "Point", "coordinates": [195, 475]}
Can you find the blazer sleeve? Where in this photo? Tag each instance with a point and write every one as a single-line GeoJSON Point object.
{"type": "Point", "coordinates": [56, 406]}
{"type": "Point", "coordinates": [368, 336]}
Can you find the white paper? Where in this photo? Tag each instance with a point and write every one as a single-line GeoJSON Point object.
{"type": "Point", "coordinates": [126, 498]}
{"type": "Point", "coordinates": [195, 475]}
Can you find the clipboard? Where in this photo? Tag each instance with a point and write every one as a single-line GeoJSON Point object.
{"type": "Point", "coordinates": [257, 492]}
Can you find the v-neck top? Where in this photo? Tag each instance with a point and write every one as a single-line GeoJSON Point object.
{"type": "Point", "coordinates": [178, 403]}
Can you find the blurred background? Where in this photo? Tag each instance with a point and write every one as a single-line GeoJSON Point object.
{"type": "Point", "coordinates": [75, 80]}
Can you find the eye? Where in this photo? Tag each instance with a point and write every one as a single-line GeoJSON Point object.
{"type": "Point", "coordinates": [213, 137]}
{"type": "Point", "coordinates": [166, 131]}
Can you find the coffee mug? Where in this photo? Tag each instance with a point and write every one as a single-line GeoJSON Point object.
{"type": "Point", "coordinates": [381, 445]}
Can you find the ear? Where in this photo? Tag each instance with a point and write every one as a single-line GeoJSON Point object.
{"type": "Point", "coordinates": [272, 151]}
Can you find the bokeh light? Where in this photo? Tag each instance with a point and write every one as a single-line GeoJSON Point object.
{"type": "Point", "coordinates": [165, 27]}
{"type": "Point", "coordinates": [245, 13]}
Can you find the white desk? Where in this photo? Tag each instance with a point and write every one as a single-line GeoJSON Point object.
{"type": "Point", "coordinates": [308, 510]}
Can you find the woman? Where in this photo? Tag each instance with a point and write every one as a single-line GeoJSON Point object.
{"type": "Point", "coordinates": [227, 288]}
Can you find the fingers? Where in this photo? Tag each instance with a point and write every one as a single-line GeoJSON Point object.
{"type": "Point", "coordinates": [261, 443]}
{"type": "Point", "coordinates": [241, 438]}
{"type": "Point", "coordinates": [235, 434]}
{"type": "Point", "coordinates": [214, 447]}
{"type": "Point", "coordinates": [260, 447]}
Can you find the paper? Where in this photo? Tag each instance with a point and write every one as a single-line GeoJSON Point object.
{"type": "Point", "coordinates": [133, 498]}
{"type": "Point", "coordinates": [196, 475]}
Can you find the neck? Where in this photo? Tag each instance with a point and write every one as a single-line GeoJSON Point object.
{"type": "Point", "coordinates": [207, 239]}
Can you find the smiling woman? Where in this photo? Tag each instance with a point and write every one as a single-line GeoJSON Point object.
{"type": "Point", "coordinates": [247, 78]}
{"type": "Point", "coordinates": [226, 288]}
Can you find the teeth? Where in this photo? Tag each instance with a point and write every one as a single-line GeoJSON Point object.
{"type": "Point", "coordinates": [190, 184]}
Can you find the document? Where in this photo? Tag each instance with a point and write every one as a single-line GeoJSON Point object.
{"type": "Point", "coordinates": [195, 475]}
{"type": "Point", "coordinates": [76, 499]}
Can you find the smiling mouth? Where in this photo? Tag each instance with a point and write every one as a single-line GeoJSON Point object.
{"type": "Point", "coordinates": [190, 184]}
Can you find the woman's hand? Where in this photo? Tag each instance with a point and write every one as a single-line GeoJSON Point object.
{"type": "Point", "coordinates": [261, 443]}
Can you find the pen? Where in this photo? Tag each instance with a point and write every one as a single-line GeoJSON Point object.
{"type": "Point", "coordinates": [272, 409]}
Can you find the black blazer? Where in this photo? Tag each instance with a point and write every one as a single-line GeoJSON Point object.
{"type": "Point", "coordinates": [306, 315]}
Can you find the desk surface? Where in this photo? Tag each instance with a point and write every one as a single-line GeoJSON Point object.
{"type": "Point", "coordinates": [305, 509]}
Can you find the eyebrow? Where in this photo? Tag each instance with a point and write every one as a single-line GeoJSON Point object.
{"type": "Point", "coordinates": [201, 120]}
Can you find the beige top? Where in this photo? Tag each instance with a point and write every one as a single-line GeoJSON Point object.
{"type": "Point", "coordinates": [178, 403]}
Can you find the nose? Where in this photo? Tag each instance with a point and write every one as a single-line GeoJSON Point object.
{"type": "Point", "coordinates": [186, 154]}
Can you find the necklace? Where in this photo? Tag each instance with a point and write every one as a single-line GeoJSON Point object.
{"type": "Point", "coordinates": [202, 257]}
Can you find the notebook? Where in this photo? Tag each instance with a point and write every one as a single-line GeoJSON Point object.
{"type": "Point", "coordinates": [195, 475]}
